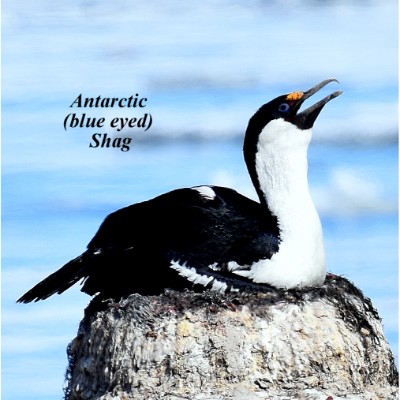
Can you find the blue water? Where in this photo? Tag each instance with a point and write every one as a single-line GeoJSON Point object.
{"type": "Point", "coordinates": [49, 216]}
{"type": "Point", "coordinates": [205, 69]}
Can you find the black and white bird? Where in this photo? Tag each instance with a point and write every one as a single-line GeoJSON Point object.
{"type": "Point", "coordinates": [211, 237]}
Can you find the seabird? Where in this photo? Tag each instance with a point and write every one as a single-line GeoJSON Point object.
{"type": "Point", "coordinates": [212, 237]}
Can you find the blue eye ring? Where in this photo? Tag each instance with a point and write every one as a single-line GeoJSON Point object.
{"type": "Point", "coordinates": [284, 108]}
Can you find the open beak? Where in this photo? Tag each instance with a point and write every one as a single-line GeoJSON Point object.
{"type": "Point", "coordinates": [306, 118]}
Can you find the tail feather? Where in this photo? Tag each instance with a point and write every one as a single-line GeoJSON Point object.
{"type": "Point", "coordinates": [57, 282]}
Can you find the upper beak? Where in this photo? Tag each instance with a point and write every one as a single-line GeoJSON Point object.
{"type": "Point", "coordinates": [306, 119]}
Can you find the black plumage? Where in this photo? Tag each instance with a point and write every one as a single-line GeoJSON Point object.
{"type": "Point", "coordinates": [133, 248]}
{"type": "Point", "coordinates": [202, 229]}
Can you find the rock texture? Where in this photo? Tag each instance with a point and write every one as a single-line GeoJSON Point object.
{"type": "Point", "coordinates": [272, 344]}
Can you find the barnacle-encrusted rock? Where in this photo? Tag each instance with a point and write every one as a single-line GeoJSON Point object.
{"type": "Point", "coordinates": [273, 344]}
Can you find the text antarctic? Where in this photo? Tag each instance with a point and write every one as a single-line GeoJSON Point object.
{"type": "Point", "coordinates": [103, 139]}
{"type": "Point", "coordinates": [106, 102]}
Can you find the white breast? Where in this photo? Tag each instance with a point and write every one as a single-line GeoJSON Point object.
{"type": "Point", "coordinates": [281, 165]}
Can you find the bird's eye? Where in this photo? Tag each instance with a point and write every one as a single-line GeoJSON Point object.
{"type": "Point", "coordinates": [284, 107]}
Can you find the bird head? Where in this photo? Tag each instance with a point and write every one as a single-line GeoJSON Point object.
{"type": "Point", "coordinates": [278, 135]}
{"type": "Point", "coordinates": [286, 107]}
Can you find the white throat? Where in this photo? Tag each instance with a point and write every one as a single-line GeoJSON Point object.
{"type": "Point", "coordinates": [281, 166]}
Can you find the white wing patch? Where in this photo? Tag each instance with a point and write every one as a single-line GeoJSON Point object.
{"type": "Point", "coordinates": [193, 276]}
{"type": "Point", "coordinates": [205, 192]}
{"type": "Point", "coordinates": [233, 266]}
{"type": "Point", "coordinates": [214, 267]}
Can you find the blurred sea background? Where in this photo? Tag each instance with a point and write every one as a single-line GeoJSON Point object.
{"type": "Point", "coordinates": [204, 67]}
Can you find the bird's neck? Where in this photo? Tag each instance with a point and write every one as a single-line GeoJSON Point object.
{"type": "Point", "coordinates": [280, 174]}
{"type": "Point", "coordinates": [277, 163]}
{"type": "Point", "coordinates": [282, 179]}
